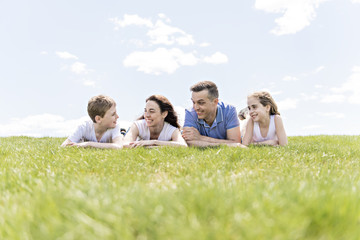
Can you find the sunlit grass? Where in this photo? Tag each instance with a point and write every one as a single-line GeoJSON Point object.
{"type": "Point", "coordinates": [306, 190]}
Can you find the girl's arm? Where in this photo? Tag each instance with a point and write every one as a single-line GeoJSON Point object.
{"type": "Point", "coordinates": [248, 133]}
{"type": "Point", "coordinates": [280, 131]}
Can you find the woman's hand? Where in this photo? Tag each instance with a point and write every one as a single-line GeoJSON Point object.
{"type": "Point", "coordinates": [145, 143]}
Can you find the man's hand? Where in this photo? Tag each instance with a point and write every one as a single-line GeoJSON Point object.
{"type": "Point", "coordinates": [191, 134]}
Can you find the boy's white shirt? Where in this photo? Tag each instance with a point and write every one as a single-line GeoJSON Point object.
{"type": "Point", "coordinates": [85, 132]}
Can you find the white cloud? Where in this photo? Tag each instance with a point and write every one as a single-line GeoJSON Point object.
{"type": "Point", "coordinates": [66, 55]}
{"type": "Point", "coordinates": [351, 87]}
{"type": "Point", "coordinates": [216, 58]}
{"type": "Point", "coordinates": [44, 53]}
{"type": "Point", "coordinates": [297, 14]}
{"type": "Point", "coordinates": [40, 126]}
{"type": "Point", "coordinates": [333, 98]}
{"type": "Point", "coordinates": [162, 33]}
{"type": "Point", "coordinates": [163, 16]}
{"type": "Point", "coordinates": [331, 114]}
{"type": "Point", "coordinates": [319, 69]}
{"type": "Point", "coordinates": [79, 68]}
{"type": "Point", "coordinates": [129, 20]}
{"type": "Point", "coordinates": [159, 33]}
{"type": "Point", "coordinates": [160, 61]}
{"type": "Point", "coordinates": [288, 103]}
{"type": "Point", "coordinates": [204, 44]}
{"type": "Point", "coordinates": [355, 1]}
{"type": "Point", "coordinates": [45, 125]}
{"type": "Point", "coordinates": [290, 79]}
{"type": "Point", "coordinates": [309, 97]}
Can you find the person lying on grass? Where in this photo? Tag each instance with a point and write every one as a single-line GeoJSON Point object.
{"type": "Point", "coordinates": [210, 122]}
{"type": "Point", "coordinates": [101, 131]}
{"type": "Point", "coordinates": [265, 126]}
{"type": "Point", "coordinates": [157, 127]}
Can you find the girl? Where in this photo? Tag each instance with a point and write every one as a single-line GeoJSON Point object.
{"type": "Point", "coordinates": [157, 127]}
{"type": "Point", "coordinates": [265, 126]}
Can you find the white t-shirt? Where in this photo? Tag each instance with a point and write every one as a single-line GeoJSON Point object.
{"type": "Point", "coordinates": [271, 135]}
{"type": "Point", "coordinates": [144, 132]}
{"type": "Point", "coordinates": [86, 133]}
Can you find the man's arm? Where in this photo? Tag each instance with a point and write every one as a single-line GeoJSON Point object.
{"type": "Point", "coordinates": [193, 138]}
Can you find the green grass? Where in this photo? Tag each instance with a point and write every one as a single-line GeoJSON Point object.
{"type": "Point", "coordinates": [306, 190]}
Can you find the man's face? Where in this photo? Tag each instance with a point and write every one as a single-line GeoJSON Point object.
{"type": "Point", "coordinates": [204, 107]}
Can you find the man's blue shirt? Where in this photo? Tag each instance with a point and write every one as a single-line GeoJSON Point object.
{"type": "Point", "coordinates": [226, 118]}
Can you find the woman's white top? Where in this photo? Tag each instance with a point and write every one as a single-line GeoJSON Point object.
{"type": "Point", "coordinates": [271, 135]}
{"type": "Point", "coordinates": [144, 131]}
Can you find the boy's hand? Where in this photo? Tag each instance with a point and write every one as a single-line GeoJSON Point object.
{"type": "Point", "coordinates": [83, 144]}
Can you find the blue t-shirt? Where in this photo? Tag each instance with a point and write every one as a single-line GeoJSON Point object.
{"type": "Point", "coordinates": [226, 118]}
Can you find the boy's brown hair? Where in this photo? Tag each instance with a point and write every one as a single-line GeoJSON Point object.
{"type": "Point", "coordinates": [98, 105]}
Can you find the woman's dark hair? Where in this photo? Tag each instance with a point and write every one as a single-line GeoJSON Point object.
{"type": "Point", "coordinates": [165, 105]}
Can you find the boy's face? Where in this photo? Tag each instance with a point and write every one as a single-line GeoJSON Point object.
{"type": "Point", "coordinates": [109, 119]}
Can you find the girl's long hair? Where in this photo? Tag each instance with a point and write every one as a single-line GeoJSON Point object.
{"type": "Point", "coordinates": [266, 99]}
{"type": "Point", "coordinates": [165, 105]}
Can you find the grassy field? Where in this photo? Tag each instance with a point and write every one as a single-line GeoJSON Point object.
{"type": "Point", "coordinates": [307, 190]}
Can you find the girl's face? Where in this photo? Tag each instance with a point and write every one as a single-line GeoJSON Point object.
{"type": "Point", "coordinates": [153, 115]}
{"type": "Point", "coordinates": [257, 111]}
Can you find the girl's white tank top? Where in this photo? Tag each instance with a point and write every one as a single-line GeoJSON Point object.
{"type": "Point", "coordinates": [271, 135]}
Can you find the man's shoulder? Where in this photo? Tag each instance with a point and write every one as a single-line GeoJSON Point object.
{"type": "Point", "coordinates": [190, 112]}
{"type": "Point", "coordinates": [227, 108]}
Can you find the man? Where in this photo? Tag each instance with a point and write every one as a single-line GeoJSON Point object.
{"type": "Point", "coordinates": [210, 122]}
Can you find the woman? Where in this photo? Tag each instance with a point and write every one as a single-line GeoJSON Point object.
{"type": "Point", "coordinates": [157, 127]}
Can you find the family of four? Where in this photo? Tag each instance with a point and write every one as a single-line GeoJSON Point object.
{"type": "Point", "coordinates": [210, 122]}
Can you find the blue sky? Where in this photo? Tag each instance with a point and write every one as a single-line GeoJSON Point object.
{"type": "Point", "coordinates": [55, 55]}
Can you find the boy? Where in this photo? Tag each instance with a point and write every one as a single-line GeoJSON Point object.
{"type": "Point", "coordinates": [101, 131]}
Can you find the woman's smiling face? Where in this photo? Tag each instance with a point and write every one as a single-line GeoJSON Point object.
{"type": "Point", "coordinates": [153, 115]}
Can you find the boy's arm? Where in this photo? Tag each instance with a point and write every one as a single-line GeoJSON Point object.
{"type": "Point", "coordinates": [75, 137]}
{"type": "Point", "coordinates": [67, 142]}
{"type": "Point", "coordinates": [116, 144]}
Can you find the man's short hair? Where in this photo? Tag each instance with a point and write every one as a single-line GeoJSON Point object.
{"type": "Point", "coordinates": [98, 105]}
{"type": "Point", "coordinates": [210, 86]}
